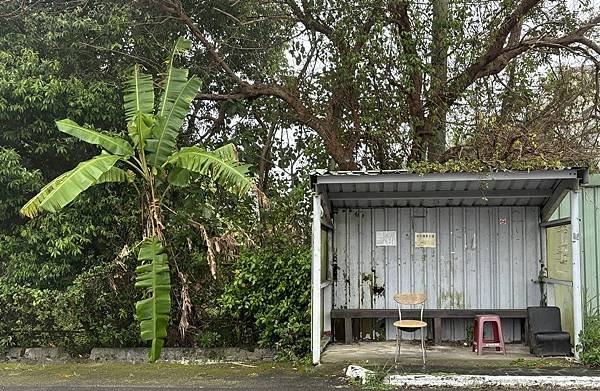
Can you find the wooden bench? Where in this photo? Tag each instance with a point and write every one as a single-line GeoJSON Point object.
{"type": "Point", "coordinates": [436, 314]}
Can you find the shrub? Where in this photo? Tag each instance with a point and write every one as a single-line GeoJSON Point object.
{"type": "Point", "coordinates": [589, 339]}
{"type": "Point", "coordinates": [270, 289]}
{"type": "Point", "coordinates": [99, 305]}
{"type": "Point", "coordinates": [95, 311]}
{"type": "Point", "coordinates": [27, 316]}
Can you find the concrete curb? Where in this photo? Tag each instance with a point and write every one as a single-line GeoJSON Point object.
{"type": "Point", "coordinates": [473, 381]}
{"type": "Point", "coordinates": [140, 355]}
{"type": "Point", "coordinates": [363, 375]}
{"type": "Point", "coordinates": [181, 355]}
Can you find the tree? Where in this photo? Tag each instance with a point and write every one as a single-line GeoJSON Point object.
{"type": "Point", "coordinates": [154, 166]}
{"type": "Point", "coordinates": [377, 81]}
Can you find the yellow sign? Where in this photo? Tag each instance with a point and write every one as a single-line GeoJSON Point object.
{"type": "Point", "coordinates": [425, 239]}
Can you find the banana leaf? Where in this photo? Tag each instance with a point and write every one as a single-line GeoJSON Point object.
{"type": "Point", "coordinates": [222, 167]}
{"type": "Point", "coordinates": [153, 311]}
{"type": "Point", "coordinates": [166, 130]}
{"type": "Point", "coordinates": [112, 144]}
{"type": "Point", "coordinates": [139, 94]}
{"type": "Point", "coordinates": [64, 189]}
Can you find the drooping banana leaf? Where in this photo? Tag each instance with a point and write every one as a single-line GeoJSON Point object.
{"type": "Point", "coordinates": [227, 152]}
{"type": "Point", "coordinates": [153, 311]}
{"type": "Point", "coordinates": [116, 174]}
{"type": "Point", "coordinates": [32, 207]}
{"type": "Point", "coordinates": [223, 169]}
{"type": "Point", "coordinates": [112, 144]}
{"type": "Point", "coordinates": [139, 94]}
{"type": "Point", "coordinates": [64, 189]}
{"type": "Point", "coordinates": [166, 130]}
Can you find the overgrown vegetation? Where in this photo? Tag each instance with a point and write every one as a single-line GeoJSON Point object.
{"type": "Point", "coordinates": [268, 291]}
{"type": "Point", "coordinates": [95, 311]}
{"type": "Point", "coordinates": [589, 339]}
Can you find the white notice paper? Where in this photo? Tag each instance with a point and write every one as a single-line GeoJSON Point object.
{"type": "Point", "coordinates": [385, 238]}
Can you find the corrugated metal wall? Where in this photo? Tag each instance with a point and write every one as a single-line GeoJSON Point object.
{"type": "Point", "coordinates": [590, 233]}
{"type": "Point", "coordinates": [485, 257]}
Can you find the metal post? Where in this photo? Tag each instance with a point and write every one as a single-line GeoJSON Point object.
{"type": "Point", "coordinates": [316, 281]}
{"type": "Point", "coordinates": [328, 291]}
{"type": "Point", "coordinates": [577, 306]}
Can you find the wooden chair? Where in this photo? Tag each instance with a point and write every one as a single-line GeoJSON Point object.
{"type": "Point", "coordinates": [409, 325]}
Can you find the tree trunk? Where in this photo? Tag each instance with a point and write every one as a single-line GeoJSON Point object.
{"type": "Point", "coordinates": [435, 125]}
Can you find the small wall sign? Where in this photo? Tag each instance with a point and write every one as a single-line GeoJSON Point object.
{"type": "Point", "coordinates": [385, 238]}
{"type": "Point", "coordinates": [425, 239]}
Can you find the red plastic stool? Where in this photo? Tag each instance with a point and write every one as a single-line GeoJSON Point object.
{"type": "Point", "coordinates": [479, 343]}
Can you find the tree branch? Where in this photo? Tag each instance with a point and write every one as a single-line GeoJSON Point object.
{"type": "Point", "coordinates": [495, 60]}
{"type": "Point", "coordinates": [308, 20]}
{"type": "Point", "coordinates": [177, 8]}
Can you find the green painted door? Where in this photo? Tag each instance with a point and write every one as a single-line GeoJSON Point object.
{"type": "Point", "coordinates": [560, 274]}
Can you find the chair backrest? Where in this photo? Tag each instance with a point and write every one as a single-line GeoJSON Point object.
{"type": "Point", "coordinates": [543, 319]}
{"type": "Point", "coordinates": [410, 299]}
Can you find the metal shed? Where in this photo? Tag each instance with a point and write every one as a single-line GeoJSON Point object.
{"type": "Point", "coordinates": [469, 240]}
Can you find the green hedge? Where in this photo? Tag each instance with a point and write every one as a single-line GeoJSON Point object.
{"type": "Point", "coordinates": [28, 317]}
{"type": "Point", "coordinates": [266, 302]}
{"type": "Point", "coordinates": [95, 311]}
{"type": "Point", "coordinates": [270, 291]}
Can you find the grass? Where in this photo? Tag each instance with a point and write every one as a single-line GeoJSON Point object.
{"type": "Point", "coordinates": [222, 375]}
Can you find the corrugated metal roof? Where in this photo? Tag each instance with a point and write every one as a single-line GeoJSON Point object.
{"type": "Point", "coordinates": [400, 188]}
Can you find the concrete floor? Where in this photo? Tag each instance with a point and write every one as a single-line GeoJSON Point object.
{"type": "Point", "coordinates": [411, 353]}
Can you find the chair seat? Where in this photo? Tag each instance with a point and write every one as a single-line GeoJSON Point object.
{"type": "Point", "coordinates": [552, 336]}
{"type": "Point", "coordinates": [410, 323]}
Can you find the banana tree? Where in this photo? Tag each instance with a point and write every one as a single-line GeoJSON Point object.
{"type": "Point", "coordinates": [151, 162]}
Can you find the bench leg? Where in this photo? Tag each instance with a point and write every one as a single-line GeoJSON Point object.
{"type": "Point", "coordinates": [348, 330]}
{"type": "Point", "coordinates": [437, 331]}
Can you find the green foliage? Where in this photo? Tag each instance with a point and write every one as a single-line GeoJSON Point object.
{"type": "Point", "coordinates": [589, 339]}
{"type": "Point", "coordinates": [16, 183]}
{"type": "Point", "coordinates": [179, 91]}
{"type": "Point", "coordinates": [138, 96]}
{"type": "Point", "coordinates": [95, 311]}
{"type": "Point", "coordinates": [476, 165]}
{"type": "Point", "coordinates": [49, 252]}
{"type": "Point", "coordinates": [34, 91]}
{"type": "Point", "coordinates": [270, 288]}
{"type": "Point", "coordinates": [115, 145]}
{"type": "Point", "coordinates": [221, 164]}
{"type": "Point", "coordinates": [157, 135]}
{"type": "Point", "coordinates": [64, 189]}
{"type": "Point", "coordinates": [28, 316]}
{"type": "Point", "coordinates": [208, 339]}
{"type": "Point", "coordinates": [153, 311]}
{"type": "Point", "coordinates": [99, 305]}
